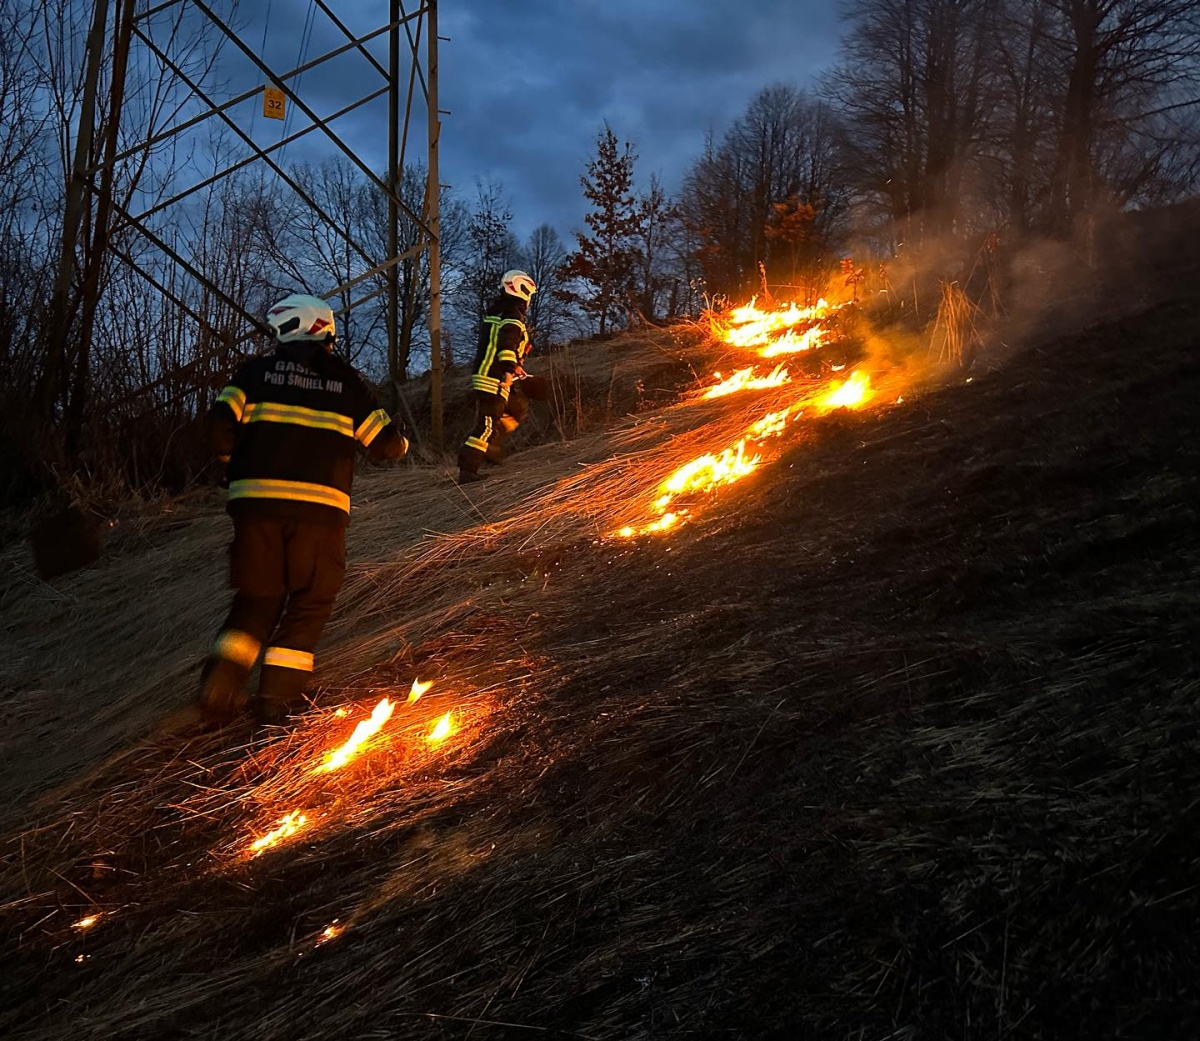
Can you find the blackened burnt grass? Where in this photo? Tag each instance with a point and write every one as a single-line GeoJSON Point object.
{"type": "Point", "coordinates": [900, 739]}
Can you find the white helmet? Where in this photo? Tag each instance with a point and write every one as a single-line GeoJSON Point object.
{"type": "Point", "coordinates": [518, 284]}
{"type": "Point", "coordinates": [302, 317]}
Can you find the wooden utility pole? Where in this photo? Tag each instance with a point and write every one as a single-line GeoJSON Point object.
{"type": "Point", "coordinates": [393, 181]}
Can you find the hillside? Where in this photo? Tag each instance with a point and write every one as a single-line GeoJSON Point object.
{"type": "Point", "coordinates": [896, 737]}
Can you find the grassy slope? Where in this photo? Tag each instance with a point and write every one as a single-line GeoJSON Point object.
{"type": "Point", "coordinates": [901, 736]}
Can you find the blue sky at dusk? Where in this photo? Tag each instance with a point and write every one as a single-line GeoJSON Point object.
{"type": "Point", "coordinates": [529, 85]}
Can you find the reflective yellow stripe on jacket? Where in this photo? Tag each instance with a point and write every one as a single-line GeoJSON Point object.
{"type": "Point", "coordinates": [370, 427]}
{"type": "Point", "coordinates": [235, 398]}
{"type": "Point", "coordinates": [480, 380]}
{"type": "Point", "coordinates": [298, 415]}
{"type": "Point", "coordinates": [298, 491]}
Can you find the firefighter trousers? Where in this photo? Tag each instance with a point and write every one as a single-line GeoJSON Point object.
{"type": "Point", "coordinates": [286, 576]}
{"type": "Point", "coordinates": [496, 418]}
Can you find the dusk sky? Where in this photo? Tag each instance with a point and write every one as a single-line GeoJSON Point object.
{"type": "Point", "coordinates": [529, 85]}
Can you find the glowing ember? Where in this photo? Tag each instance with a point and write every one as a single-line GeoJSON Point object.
{"type": "Point", "coordinates": [744, 379]}
{"type": "Point", "coordinates": [442, 730]}
{"type": "Point", "coordinates": [289, 824]}
{"type": "Point", "coordinates": [85, 923]}
{"type": "Point", "coordinates": [855, 391]}
{"type": "Point", "coordinates": [330, 932]}
{"type": "Point", "coordinates": [418, 688]}
{"type": "Point", "coordinates": [365, 730]}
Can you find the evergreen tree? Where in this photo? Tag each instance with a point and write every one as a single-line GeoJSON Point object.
{"type": "Point", "coordinates": [605, 262]}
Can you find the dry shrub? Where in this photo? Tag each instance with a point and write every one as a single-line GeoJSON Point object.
{"type": "Point", "coordinates": [955, 332]}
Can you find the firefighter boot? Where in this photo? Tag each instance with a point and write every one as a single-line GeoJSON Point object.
{"type": "Point", "coordinates": [222, 697]}
{"type": "Point", "coordinates": [280, 695]}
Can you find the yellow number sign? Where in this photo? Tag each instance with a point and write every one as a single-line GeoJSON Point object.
{"type": "Point", "coordinates": [273, 101]}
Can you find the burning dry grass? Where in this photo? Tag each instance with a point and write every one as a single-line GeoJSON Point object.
{"type": "Point", "coordinates": [786, 770]}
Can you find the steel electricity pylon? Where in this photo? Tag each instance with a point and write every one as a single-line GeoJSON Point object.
{"type": "Point", "coordinates": [94, 215]}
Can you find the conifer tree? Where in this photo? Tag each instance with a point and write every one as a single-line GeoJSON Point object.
{"type": "Point", "coordinates": [605, 263]}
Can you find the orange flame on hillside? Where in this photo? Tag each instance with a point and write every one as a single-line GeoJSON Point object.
{"type": "Point", "coordinates": [443, 729]}
{"type": "Point", "coordinates": [854, 392]}
{"type": "Point", "coordinates": [365, 730]}
{"type": "Point", "coordinates": [744, 379]}
{"type": "Point", "coordinates": [289, 824]}
{"type": "Point", "coordinates": [770, 333]}
{"type": "Point", "coordinates": [747, 326]}
{"type": "Point", "coordinates": [338, 757]}
{"type": "Point", "coordinates": [418, 688]}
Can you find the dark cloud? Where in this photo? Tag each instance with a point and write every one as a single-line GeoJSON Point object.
{"type": "Point", "coordinates": [530, 85]}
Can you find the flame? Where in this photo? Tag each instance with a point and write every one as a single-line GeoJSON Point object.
{"type": "Point", "coordinates": [288, 825]}
{"type": "Point", "coordinates": [853, 392]}
{"type": "Point", "coordinates": [365, 730]}
{"type": "Point", "coordinates": [784, 331]}
{"type": "Point", "coordinates": [749, 327]}
{"type": "Point", "coordinates": [744, 379]}
{"type": "Point", "coordinates": [87, 921]}
{"type": "Point", "coordinates": [443, 729]}
{"type": "Point", "coordinates": [418, 688]}
{"type": "Point", "coordinates": [790, 343]}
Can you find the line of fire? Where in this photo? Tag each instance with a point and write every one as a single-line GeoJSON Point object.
{"type": "Point", "coordinates": [787, 370]}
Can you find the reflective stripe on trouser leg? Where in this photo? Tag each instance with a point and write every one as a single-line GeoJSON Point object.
{"type": "Point", "coordinates": [471, 455]}
{"type": "Point", "coordinates": [282, 681]}
{"type": "Point", "coordinates": [286, 658]}
{"type": "Point", "coordinates": [236, 646]}
{"type": "Point", "coordinates": [479, 441]}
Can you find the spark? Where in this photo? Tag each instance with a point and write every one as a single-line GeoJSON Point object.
{"type": "Point", "coordinates": [331, 932]}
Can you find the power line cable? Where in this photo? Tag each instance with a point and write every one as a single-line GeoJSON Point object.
{"type": "Point", "coordinates": [301, 57]}
{"type": "Point", "coordinates": [262, 54]}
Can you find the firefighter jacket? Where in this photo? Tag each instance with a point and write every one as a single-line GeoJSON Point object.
{"type": "Point", "coordinates": [290, 423]}
{"type": "Point", "coordinates": [503, 345]}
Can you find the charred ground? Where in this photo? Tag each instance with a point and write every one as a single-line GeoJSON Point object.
{"type": "Point", "coordinates": [899, 739]}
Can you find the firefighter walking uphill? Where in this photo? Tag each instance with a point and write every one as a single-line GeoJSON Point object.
{"type": "Point", "coordinates": [288, 425]}
{"type": "Point", "coordinates": [499, 360]}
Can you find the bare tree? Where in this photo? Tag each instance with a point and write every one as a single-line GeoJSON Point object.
{"type": "Point", "coordinates": [549, 314]}
{"type": "Point", "coordinates": [915, 96]}
{"type": "Point", "coordinates": [1126, 63]}
{"type": "Point", "coordinates": [784, 147]}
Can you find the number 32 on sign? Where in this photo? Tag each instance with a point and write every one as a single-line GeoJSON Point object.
{"type": "Point", "coordinates": [273, 102]}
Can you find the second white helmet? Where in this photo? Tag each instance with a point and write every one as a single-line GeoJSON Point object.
{"type": "Point", "coordinates": [302, 317]}
{"type": "Point", "coordinates": [519, 284]}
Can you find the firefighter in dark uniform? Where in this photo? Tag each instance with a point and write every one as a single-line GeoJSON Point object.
{"type": "Point", "coordinates": [289, 424]}
{"type": "Point", "coordinates": [503, 345]}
